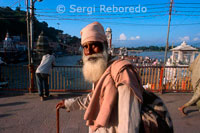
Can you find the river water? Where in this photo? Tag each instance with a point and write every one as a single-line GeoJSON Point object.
{"type": "Point", "coordinates": [68, 60]}
{"type": "Point", "coordinates": [72, 60]}
{"type": "Point", "coordinates": [154, 54]}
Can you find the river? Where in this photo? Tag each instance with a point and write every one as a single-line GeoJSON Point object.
{"type": "Point", "coordinates": [68, 60]}
{"type": "Point", "coordinates": [153, 54]}
{"type": "Point", "coordinates": [72, 60]}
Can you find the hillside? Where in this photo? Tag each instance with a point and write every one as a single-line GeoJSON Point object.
{"type": "Point", "coordinates": [14, 22]}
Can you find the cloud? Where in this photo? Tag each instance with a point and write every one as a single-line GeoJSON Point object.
{"type": "Point", "coordinates": [185, 38]}
{"type": "Point", "coordinates": [135, 38]}
{"type": "Point", "coordinates": [196, 39]}
{"type": "Point", "coordinates": [122, 36]}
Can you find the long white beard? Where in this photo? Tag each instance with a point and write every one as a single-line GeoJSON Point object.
{"type": "Point", "coordinates": [94, 66]}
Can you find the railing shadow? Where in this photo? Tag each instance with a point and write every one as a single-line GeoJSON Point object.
{"type": "Point", "coordinates": [12, 104]}
{"type": "Point", "coordinates": [4, 115]}
{"type": "Point", "coordinates": [8, 93]}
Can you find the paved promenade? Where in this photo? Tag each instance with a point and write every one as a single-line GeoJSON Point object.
{"type": "Point", "coordinates": [25, 113]}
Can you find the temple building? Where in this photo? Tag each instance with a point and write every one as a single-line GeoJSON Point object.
{"type": "Point", "coordinates": [183, 54]}
{"type": "Point", "coordinates": [42, 47]}
{"type": "Point", "coordinates": [8, 44]}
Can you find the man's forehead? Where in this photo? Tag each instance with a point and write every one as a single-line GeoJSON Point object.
{"type": "Point", "coordinates": [92, 42]}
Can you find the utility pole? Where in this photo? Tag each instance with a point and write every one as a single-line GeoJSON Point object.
{"type": "Point", "coordinates": [31, 27]}
{"type": "Point", "coordinates": [32, 17]}
{"type": "Point", "coordinates": [31, 66]}
{"type": "Point", "coordinates": [19, 4]}
{"type": "Point", "coordinates": [167, 43]}
{"type": "Point", "coordinates": [29, 47]}
{"type": "Point", "coordinates": [28, 32]}
{"type": "Point", "coordinates": [169, 21]}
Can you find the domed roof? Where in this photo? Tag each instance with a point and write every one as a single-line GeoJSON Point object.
{"type": "Point", "coordinates": [184, 47]}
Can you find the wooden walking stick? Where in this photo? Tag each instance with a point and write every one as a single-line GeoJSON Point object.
{"type": "Point", "coordinates": [57, 120]}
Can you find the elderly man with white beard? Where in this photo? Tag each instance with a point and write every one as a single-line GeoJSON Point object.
{"type": "Point", "coordinates": [114, 104]}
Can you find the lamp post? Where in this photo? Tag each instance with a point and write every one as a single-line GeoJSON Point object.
{"type": "Point", "coordinates": [31, 66]}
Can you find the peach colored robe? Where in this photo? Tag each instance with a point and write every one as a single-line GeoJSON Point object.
{"type": "Point", "coordinates": [114, 104]}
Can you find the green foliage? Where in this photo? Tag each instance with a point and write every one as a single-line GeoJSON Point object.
{"type": "Point", "coordinates": [14, 22]}
{"type": "Point", "coordinates": [50, 32]}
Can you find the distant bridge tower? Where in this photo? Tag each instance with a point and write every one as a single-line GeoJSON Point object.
{"type": "Point", "coordinates": [109, 37]}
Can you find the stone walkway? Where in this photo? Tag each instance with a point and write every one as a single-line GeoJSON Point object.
{"type": "Point", "coordinates": [25, 113]}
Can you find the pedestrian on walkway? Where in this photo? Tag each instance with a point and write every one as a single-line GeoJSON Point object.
{"type": "Point", "coordinates": [195, 78]}
{"type": "Point", "coordinates": [42, 74]}
{"type": "Point", "coordinates": [103, 112]}
{"type": "Point", "coordinates": [114, 105]}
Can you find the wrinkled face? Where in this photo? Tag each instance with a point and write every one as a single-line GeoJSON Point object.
{"type": "Point", "coordinates": [95, 59]}
{"type": "Point", "coordinates": [90, 48]}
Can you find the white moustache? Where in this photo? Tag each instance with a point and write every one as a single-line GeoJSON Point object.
{"type": "Point", "coordinates": [93, 57]}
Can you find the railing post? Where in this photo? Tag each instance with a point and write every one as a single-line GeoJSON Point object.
{"type": "Point", "coordinates": [161, 80]}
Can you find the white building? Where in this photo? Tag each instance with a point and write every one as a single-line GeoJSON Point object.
{"type": "Point", "coordinates": [183, 54]}
{"type": "Point", "coordinates": [8, 43]}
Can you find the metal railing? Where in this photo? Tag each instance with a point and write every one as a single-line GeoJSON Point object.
{"type": "Point", "coordinates": [70, 78]}
{"type": "Point", "coordinates": [177, 78]}
{"type": "Point", "coordinates": [15, 77]}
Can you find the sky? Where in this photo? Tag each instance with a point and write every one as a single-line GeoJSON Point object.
{"type": "Point", "coordinates": [133, 22]}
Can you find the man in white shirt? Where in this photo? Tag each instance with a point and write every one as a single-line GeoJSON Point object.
{"type": "Point", "coordinates": [42, 74]}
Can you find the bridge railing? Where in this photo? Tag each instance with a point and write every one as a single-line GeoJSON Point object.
{"type": "Point", "coordinates": [176, 79]}
{"type": "Point", "coordinates": [70, 78]}
{"type": "Point", "coordinates": [14, 77]}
